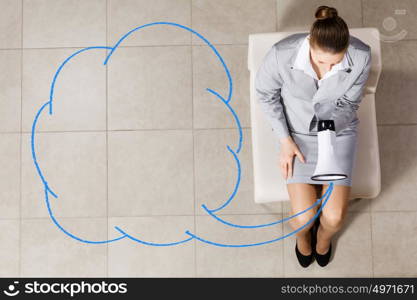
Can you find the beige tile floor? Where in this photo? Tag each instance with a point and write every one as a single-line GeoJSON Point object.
{"type": "Point", "coordinates": [141, 144]}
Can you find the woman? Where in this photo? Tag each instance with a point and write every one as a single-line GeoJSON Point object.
{"type": "Point", "coordinates": [304, 78]}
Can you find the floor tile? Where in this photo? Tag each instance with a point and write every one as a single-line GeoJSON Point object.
{"type": "Point", "coordinates": [10, 175]}
{"type": "Point", "coordinates": [395, 94]}
{"type": "Point", "coordinates": [128, 258]}
{"type": "Point", "coordinates": [360, 205]}
{"type": "Point", "coordinates": [48, 252]}
{"type": "Point", "coordinates": [255, 261]}
{"type": "Point", "coordinates": [294, 15]}
{"type": "Point", "coordinates": [209, 73]}
{"type": "Point", "coordinates": [74, 165]}
{"type": "Point", "coordinates": [79, 98]}
{"type": "Point", "coordinates": [150, 173]}
{"type": "Point", "coordinates": [10, 97]}
{"type": "Point", "coordinates": [216, 173]}
{"type": "Point", "coordinates": [230, 22]}
{"type": "Point", "coordinates": [352, 255]}
{"type": "Point", "coordinates": [150, 88]}
{"type": "Point", "coordinates": [398, 168]}
{"type": "Point", "coordinates": [125, 16]}
{"type": "Point", "coordinates": [9, 250]}
{"type": "Point", "coordinates": [395, 243]}
{"type": "Point", "coordinates": [10, 23]}
{"type": "Point", "coordinates": [71, 23]}
{"type": "Point", "coordinates": [394, 19]}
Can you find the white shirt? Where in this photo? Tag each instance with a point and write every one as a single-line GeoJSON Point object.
{"type": "Point", "coordinates": [302, 62]}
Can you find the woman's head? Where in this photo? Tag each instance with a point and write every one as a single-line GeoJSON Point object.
{"type": "Point", "coordinates": [329, 36]}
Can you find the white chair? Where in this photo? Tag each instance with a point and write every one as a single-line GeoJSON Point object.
{"type": "Point", "coordinates": [269, 185]}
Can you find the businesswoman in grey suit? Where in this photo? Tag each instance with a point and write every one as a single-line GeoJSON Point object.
{"type": "Point", "coordinates": [304, 78]}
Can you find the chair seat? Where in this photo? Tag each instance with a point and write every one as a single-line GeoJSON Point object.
{"type": "Point", "coordinates": [269, 185]}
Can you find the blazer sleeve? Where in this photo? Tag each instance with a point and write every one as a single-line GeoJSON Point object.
{"type": "Point", "coordinates": [347, 105]}
{"type": "Point", "coordinates": [268, 83]}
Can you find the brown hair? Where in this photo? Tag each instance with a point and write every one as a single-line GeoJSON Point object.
{"type": "Point", "coordinates": [329, 32]}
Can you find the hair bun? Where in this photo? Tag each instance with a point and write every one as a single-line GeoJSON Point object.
{"type": "Point", "coordinates": [325, 12]}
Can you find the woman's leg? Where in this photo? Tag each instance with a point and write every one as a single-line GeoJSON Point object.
{"type": "Point", "coordinates": [302, 196]}
{"type": "Point", "coordinates": [332, 216]}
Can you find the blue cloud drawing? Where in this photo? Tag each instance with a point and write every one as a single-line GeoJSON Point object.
{"type": "Point", "coordinates": [188, 235]}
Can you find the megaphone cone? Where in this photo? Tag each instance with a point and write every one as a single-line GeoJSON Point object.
{"type": "Point", "coordinates": [327, 167]}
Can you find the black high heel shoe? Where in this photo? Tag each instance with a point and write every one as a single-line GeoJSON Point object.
{"type": "Point", "coordinates": [305, 260]}
{"type": "Point", "coordinates": [322, 259]}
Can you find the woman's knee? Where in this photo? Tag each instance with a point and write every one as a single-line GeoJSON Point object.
{"type": "Point", "coordinates": [302, 220]}
{"type": "Point", "coordinates": [302, 196]}
{"type": "Point", "coordinates": [333, 219]}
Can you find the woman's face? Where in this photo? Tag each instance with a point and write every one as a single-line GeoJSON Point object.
{"type": "Point", "coordinates": [324, 59]}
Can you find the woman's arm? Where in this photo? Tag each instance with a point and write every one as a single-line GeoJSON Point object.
{"type": "Point", "coordinates": [268, 83]}
{"type": "Point", "coordinates": [348, 104]}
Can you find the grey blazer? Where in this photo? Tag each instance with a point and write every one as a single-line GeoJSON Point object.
{"type": "Point", "coordinates": [291, 99]}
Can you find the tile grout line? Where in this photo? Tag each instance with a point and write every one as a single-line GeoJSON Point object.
{"type": "Point", "coordinates": [150, 216]}
{"type": "Point", "coordinates": [161, 45]}
{"type": "Point", "coordinates": [370, 203]}
{"type": "Point", "coordinates": [173, 45]}
{"type": "Point", "coordinates": [202, 215]}
{"type": "Point", "coordinates": [276, 15]}
{"type": "Point", "coordinates": [282, 210]}
{"type": "Point", "coordinates": [136, 46]}
{"type": "Point", "coordinates": [128, 130]}
{"type": "Point", "coordinates": [372, 240]}
{"type": "Point", "coordinates": [107, 151]}
{"type": "Point", "coordinates": [192, 131]}
{"type": "Point", "coordinates": [20, 146]}
{"type": "Point", "coordinates": [283, 248]}
{"type": "Point", "coordinates": [397, 124]}
{"type": "Point", "coordinates": [163, 129]}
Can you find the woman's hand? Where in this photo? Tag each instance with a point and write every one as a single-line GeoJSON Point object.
{"type": "Point", "coordinates": [286, 156]}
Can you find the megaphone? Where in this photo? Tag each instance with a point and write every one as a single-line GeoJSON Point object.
{"type": "Point", "coordinates": [327, 167]}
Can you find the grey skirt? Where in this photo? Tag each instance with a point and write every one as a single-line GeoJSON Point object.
{"type": "Point", "coordinates": [346, 145]}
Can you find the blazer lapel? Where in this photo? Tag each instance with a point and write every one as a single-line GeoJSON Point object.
{"type": "Point", "coordinates": [303, 85]}
{"type": "Point", "coordinates": [332, 87]}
